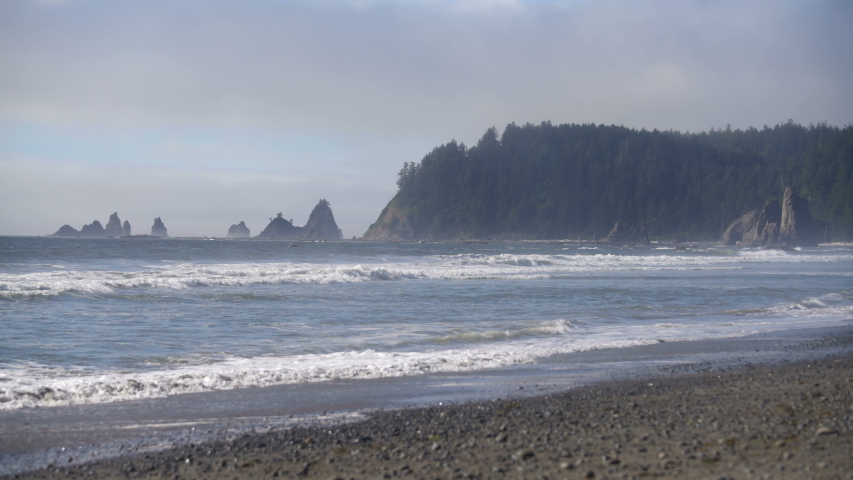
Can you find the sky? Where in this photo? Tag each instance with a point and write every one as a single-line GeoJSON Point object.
{"type": "Point", "coordinates": [206, 113]}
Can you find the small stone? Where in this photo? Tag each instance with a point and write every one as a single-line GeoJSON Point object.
{"type": "Point", "coordinates": [780, 443]}
{"type": "Point", "coordinates": [661, 455]}
{"type": "Point", "coordinates": [436, 446]}
{"type": "Point", "coordinates": [566, 466]}
{"type": "Point", "coordinates": [525, 454]}
{"type": "Point", "coordinates": [501, 437]}
{"type": "Point", "coordinates": [825, 431]}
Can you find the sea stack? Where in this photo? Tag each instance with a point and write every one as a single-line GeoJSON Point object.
{"type": "Point", "coordinates": [279, 228]}
{"type": "Point", "coordinates": [125, 229]}
{"type": "Point", "coordinates": [321, 224]}
{"type": "Point", "coordinates": [66, 231]}
{"type": "Point", "coordinates": [790, 225]}
{"type": "Point", "coordinates": [113, 228]}
{"type": "Point", "coordinates": [158, 229]}
{"type": "Point", "coordinates": [94, 229]}
{"type": "Point", "coordinates": [239, 230]}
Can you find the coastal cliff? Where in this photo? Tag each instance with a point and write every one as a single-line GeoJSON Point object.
{"type": "Point", "coordinates": [392, 225]}
{"type": "Point", "coordinates": [552, 181]}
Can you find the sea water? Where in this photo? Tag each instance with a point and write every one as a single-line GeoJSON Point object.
{"type": "Point", "coordinates": [88, 321]}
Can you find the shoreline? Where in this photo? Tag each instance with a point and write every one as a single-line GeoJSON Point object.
{"type": "Point", "coordinates": [466, 431]}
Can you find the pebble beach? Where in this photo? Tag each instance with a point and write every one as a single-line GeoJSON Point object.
{"type": "Point", "coordinates": [756, 421]}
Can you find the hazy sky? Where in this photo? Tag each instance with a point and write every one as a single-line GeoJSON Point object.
{"type": "Point", "coordinates": [206, 113]}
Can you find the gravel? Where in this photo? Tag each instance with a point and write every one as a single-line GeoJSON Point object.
{"type": "Point", "coordinates": [784, 421]}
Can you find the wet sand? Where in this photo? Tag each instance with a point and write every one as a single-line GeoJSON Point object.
{"type": "Point", "coordinates": [788, 420]}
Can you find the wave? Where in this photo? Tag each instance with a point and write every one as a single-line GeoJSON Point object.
{"type": "Point", "coordinates": [23, 386]}
{"type": "Point", "coordinates": [30, 385]}
{"type": "Point", "coordinates": [447, 267]}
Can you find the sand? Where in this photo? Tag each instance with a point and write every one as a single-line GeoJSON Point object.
{"type": "Point", "coordinates": [770, 421]}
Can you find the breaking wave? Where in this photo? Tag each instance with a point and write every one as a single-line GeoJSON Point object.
{"type": "Point", "coordinates": [456, 267]}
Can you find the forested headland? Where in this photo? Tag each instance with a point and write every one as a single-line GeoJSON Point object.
{"type": "Point", "coordinates": [575, 181]}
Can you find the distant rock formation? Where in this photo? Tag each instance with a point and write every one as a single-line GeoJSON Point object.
{"type": "Point", "coordinates": [789, 225]}
{"type": "Point", "coordinates": [279, 228]}
{"type": "Point", "coordinates": [125, 229]}
{"type": "Point", "coordinates": [158, 229]}
{"type": "Point", "coordinates": [798, 227]}
{"type": "Point", "coordinates": [66, 231]}
{"type": "Point", "coordinates": [239, 230]}
{"type": "Point", "coordinates": [392, 225]}
{"type": "Point", "coordinates": [627, 234]}
{"type": "Point", "coordinates": [321, 224]}
{"type": "Point", "coordinates": [113, 228]}
{"type": "Point", "coordinates": [94, 229]}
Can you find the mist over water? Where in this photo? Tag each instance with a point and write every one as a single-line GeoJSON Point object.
{"type": "Point", "coordinates": [103, 320]}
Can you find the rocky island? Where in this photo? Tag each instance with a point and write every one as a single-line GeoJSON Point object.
{"type": "Point", "coordinates": [321, 226]}
{"type": "Point", "coordinates": [159, 229]}
{"type": "Point", "coordinates": [239, 230]}
{"type": "Point", "coordinates": [113, 228]}
{"type": "Point", "coordinates": [94, 229]}
{"type": "Point", "coordinates": [788, 225]}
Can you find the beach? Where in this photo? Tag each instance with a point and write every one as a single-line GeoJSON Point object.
{"type": "Point", "coordinates": [780, 419]}
{"type": "Point", "coordinates": [219, 359]}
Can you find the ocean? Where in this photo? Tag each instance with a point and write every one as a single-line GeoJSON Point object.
{"type": "Point", "coordinates": [98, 321]}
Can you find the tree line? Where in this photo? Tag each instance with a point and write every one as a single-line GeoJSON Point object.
{"type": "Point", "coordinates": [575, 181]}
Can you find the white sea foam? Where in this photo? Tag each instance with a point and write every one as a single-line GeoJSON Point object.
{"type": "Point", "coordinates": [34, 385]}
{"type": "Point", "coordinates": [464, 266]}
{"type": "Point", "coordinates": [29, 385]}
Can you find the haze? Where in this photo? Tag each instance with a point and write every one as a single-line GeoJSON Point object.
{"type": "Point", "coordinates": [208, 113]}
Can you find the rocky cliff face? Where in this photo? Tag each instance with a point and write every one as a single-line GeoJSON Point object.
{"type": "Point", "coordinates": [159, 229]}
{"type": "Point", "coordinates": [66, 231]}
{"type": "Point", "coordinates": [125, 229]}
{"type": "Point", "coordinates": [627, 234]}
{"type": "Point", "coordinates": [321, 224]}
{"type": "Point", "coordinates": [756, 227]}
{"type": "Point", "coordinates": [279, 228]}
{"type": "Point", "coordinates": [790, 224]}
{"type": "Point", "coordinates": [94, 229]}
{"type": "Point", "coordinates": [239, 230]}
{"type": "Point", "coordinates": [113, 228]}
{"type": "Point", "coordinates": [798, 227]}
{"type": "Point", "coordinates": [391, 225]}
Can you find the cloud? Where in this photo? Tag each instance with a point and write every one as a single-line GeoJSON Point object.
{"type": "Point", "coordinates": [362, 86]}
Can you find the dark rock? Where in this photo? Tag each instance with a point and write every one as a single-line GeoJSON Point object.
{"type": "Point", "coordinates": [280, 228]}
{"type": "Point", "coordinates": [798, 227]}
{"type": "Point", "coordinates": [627, 234]}
{"type": "Point", "coordinates": [159, 229]}
{"type": "Point", "coordinates": [393, 224]}
{"type": "Point", "coordinates": [66, 231]}
{"type": "Point", "coordinates": [239, 230]}
{"type": "Point", "coordinates": [786, 225]}
{"type": "Point", "coordinates": [321, 224]}
{"type": "Point", "coordinates": [125, 229]}
{"type": "Point", "coordinates": [756, 227]}
{"type": "Point", "coordinates": [113, 228]}
{"type": "Point", "coordinates": [94, 229]}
